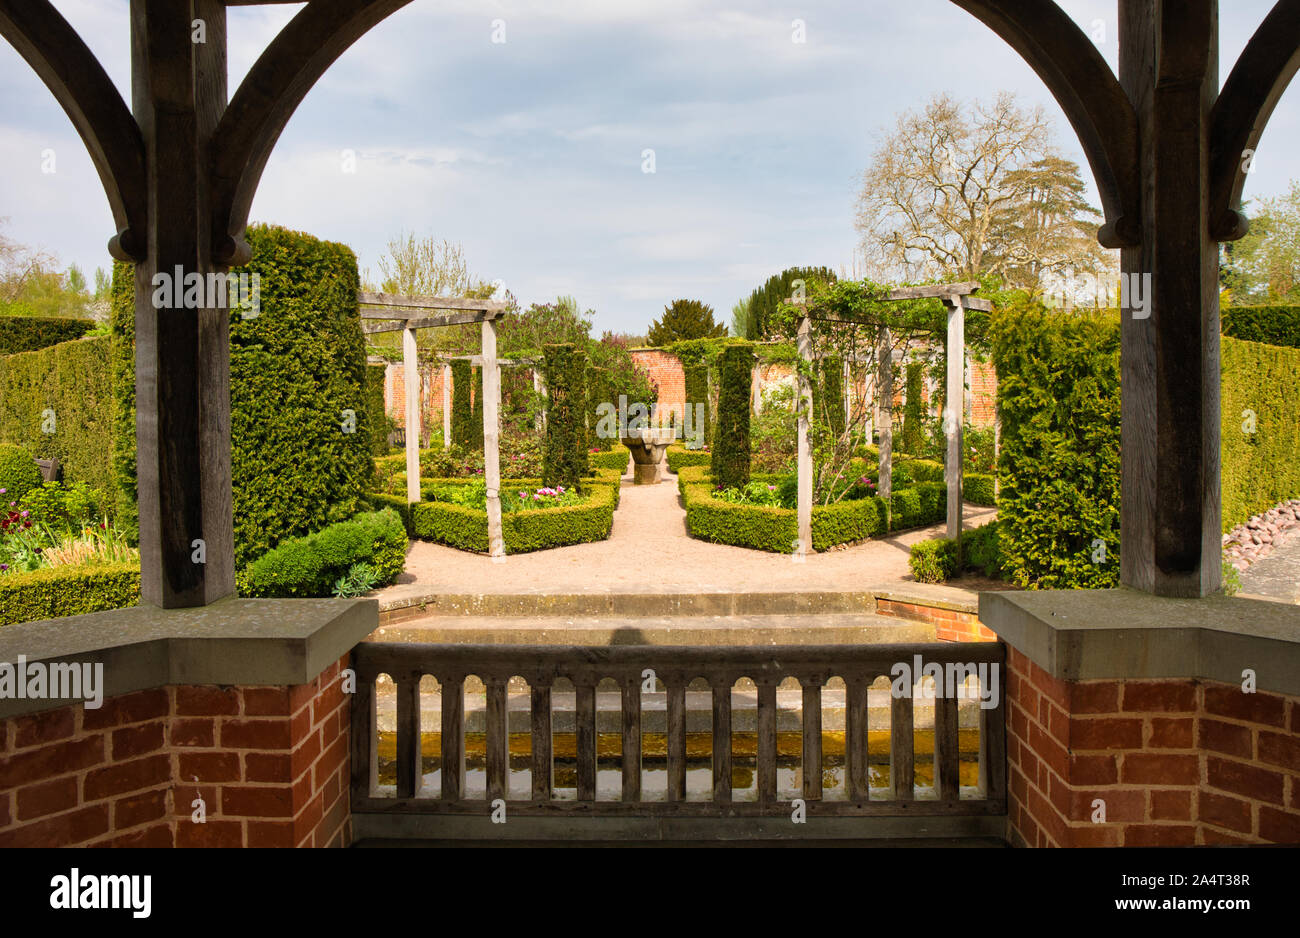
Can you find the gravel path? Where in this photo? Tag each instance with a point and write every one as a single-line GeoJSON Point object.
{"type": "Point", "coordinates": [650, 551]}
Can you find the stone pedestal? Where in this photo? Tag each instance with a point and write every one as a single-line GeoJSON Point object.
{"type": "Point", "coordinates": [648, 446]}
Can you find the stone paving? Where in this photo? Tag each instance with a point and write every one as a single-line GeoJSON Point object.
{"type": "Point", "coordinates": [650, 551]}
{"type": "Point", "coordinates": [1277, 576]}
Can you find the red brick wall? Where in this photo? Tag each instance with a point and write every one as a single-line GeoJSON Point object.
{"type": "Point", "coordinates": [1176, 762]}
{"type": "Point", "coordinates": [667, 372]}
{"type": "Point", "coordinates": [949, 625]}
{"type": "Point", "coordinates": [983, 394]}
{"type": "Point", "coordinates": [270, 763]}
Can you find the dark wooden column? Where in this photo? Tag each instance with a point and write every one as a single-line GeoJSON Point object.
{"type": "Point", "coordinates": [182, 354]}
{"type": "Point", "coordinates": [1171, 538]}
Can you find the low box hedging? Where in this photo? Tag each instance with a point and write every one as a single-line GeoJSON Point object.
{"type": "Point", "coordinates": [616, 458]}
{"type": "Point", "coordinates": [55, 592]}
{"type": "Point", "coordinates": [308, 566]}
{"type": "Point", "coordinates": [523, 531]}
{"type": "Point", "coordinates": [679, 456]}
{"type": "Point", "coordinates": [935, 561]}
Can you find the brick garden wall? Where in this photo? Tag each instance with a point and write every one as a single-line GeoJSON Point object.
{"type": "Point", "coordinates": [1177, 762]}
{"type": "Point", "coordinates": [270, 763]}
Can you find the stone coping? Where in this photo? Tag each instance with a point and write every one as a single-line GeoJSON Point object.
{"type": "Point", "coordinates": [231, 642]}
{"type": "Point", "coordinates": [1084, 635]}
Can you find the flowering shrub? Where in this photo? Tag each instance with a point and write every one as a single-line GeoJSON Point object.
{"type": "Point", "coordinates": [54, 531]}
{"type": "Point", "coordinates": [474, 495]}
{"type": "Point", "coordinates": [756, 493]}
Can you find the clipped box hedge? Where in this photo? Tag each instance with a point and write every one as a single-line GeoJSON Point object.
{"type": "Point", "coordinates": [978, 489]}
{"type": "Point", "coordinates": [616, 458]}
{"type": "Point", "coordinates": [1260, 429]}
{"type": "Point", "coordinates": [29, 333]}
{"type": "Point", "coordinates": [523, 531]}
{"type": "Point", "coordinates": [679, 456]}
{"type": "Point", "coordinates": [55, 592]}
{"type": "Point", "coordinates": [308, 566]}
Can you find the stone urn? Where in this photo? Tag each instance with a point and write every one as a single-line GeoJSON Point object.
{"type": "Point", "coordinates": [648, 445]}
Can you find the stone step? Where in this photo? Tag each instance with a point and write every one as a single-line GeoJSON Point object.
{"type": "Point", "coordinates": [699, 711]}
{"type": "Point", "coordinates": [662, 602]}
{"type": "Point", "coordinates": [852, 628]}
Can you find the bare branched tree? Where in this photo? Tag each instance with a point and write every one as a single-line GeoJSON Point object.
{"type": "Point", "coordinates": [960, 193]}
{"type": "Point", "coordinates": [426, 267]}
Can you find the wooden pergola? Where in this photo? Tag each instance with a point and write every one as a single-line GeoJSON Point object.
{"type": "Point", "coordinates": [387, 312]}
{"type": "Point", "coordinates": [180, 166]}
{"type": "Point", "coordinates": [957, 297]}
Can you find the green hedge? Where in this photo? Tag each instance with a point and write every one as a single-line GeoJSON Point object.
{"type": "Point", "coordinates": [19, 473]}
{"type": "Point", "coordinates": [1272, 325]}
{"type": "Point", "coordinates": [564, 457]}
{"type": "Point", "coordinates": [697, 397]}
{"type": "Point", "coordinates": [679, 456]}
{"type": "Point", "coordinates": [913, 436]}
{"type": "Point", "coordinates": [978, 489]}
{"type": "Point", "coordinates": [377, 417]}
{"type": "Point", "coordinates": [309, 566]}
{"type": "Point", "coordinates": [616, 458]}
{"type": "Point", "coordinates": [1059, 400]}
{"type": "Point", "coordinates": [462, 411]}
{"type": "Point", "coordinates": [1262, 468]}
{"type": "Point", "coordinates": [730, 457]}
{"type": "Point", "coordinates": [67, 388]}
{"type": "Point", "coordinates": [294, 369]}
{"type": "Point", "coordinates": [935, 561]}
{"type": "Point", "coordinates": [29, 333]}
{"type": "Point", "coordinates": [55, 592]}
{"type": "Point", "coordinates": [523, 531]}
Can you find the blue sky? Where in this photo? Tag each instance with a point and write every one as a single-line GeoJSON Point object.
{"type": "Point", "coordinates": [529, 152]}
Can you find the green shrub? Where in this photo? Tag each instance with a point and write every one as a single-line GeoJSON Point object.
{"type": "Point", "coordinates": [475, 441]}
{"type": "Point", "coordinates": [697, 400]}
{"type": "Point", "coordinates": [378, 501]}
{"type": "Point", "coordinates": [462, 412]}
{"type": "Point", "coordinates": [522, 531]}
{"type": "Point", "coordinates": [1059, 400]}
{"type": "Point", "coordinates": [920, 470]}
{"type": "Point", "coordinates": [294, 369]}
{"type": "Point", "coordinates": [55, 592]}
{"type": "Point", "coordinates": [19, 473]}
{"type": "Point", "coordinates": [679, 456]}
{"type": "Point", "coordinates": [29, 333]}
{"type": "Point", "coordinates": [564, 458]}
{"type": "Point", "coordinates": [600, 390]}
{"type": "Point", "coordinates": [1273, 325]}
{"type": "Point", "coordinates": [1260, 393]}
{"type": "Point", "coordinates": [829, 405]}
{"type": "Point", "coordinates": [65, 508]}
{"type": "Point", "coordinates": [616, 458]}
{"type": "Point", "coordinates": [981, 549]}
{"type": "Point", "coordinates": [730, 456]}
{"type": "Point", "coordinates": [66, 389]}
{"type": "Point", "coordinates": [913, 436]}
{"type": "Point", "coordinates": [933, 561]}
{"type": "Point", "coordinates": [310, 566]}
{"type": "Point", "coordinates": [377, 417]}
{"type": "Point", "coordinates": [978, 489]}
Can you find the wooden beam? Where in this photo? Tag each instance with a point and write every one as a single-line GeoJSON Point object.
{"type": "Point", "coordinates": [805, 466]}
{"type": "Point", "coordinates": [1242, 111]}
{"type": "Point", "coordinates": [87, 95]}
{"type": "Point", "coordinates": [952, 423]}
{"type": "Point", "coordinates": [411, 377]}
{"type": "Point", "coordinates": [182, 354]}
{"type": "Point", "coordinates": [930, 291]}
{"type": "Point", "coordinates": [427, 322]}
{"type": "Point", "coordinates": [491, 391]}
{"type": "Point", "coordinates": [417, 303]}
{"type": "Point", "coordinates": [1076, 73]}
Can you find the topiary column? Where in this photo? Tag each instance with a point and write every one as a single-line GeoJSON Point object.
{"type": "Point", "coordinates": [697, 404]}
{"type": "Point", "coordinates": [832, 395]}
{"type": "Point", "coordinates": [913, 411]}
{"type": "Point", "coordinates": [730, 461]}
{"type": "Point", "coordinates": [475, 440]}
{"type": "Point", "coordinates": [564, 456]}
{"type": "Point", "coordinates": [462, 417]}
{"type": "Point", "coordinates": [599, 391]}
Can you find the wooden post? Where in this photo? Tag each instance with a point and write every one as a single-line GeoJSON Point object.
{"type": "Point", "coordinates": [1169, 358]}
{"type": "Point", "coordinates": [491, 392]}
{"type": "Point", "coordinates": [446, 406]}
{"type": "Point", "coordinates": [411, 374]}
{"type": "Point", "coordinates": [885, 404]}
{"type": "Point", "coordinates": [805, 491]}
{"type": "Point", "coordinates": [539, 422]}
{"type": "Point", "coordinates": [954, 407]}
{"type": "Point", "coordinates": [182, 354]}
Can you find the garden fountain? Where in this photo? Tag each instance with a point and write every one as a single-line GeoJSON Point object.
{"type": "Point", "coordinates": [647, 445]}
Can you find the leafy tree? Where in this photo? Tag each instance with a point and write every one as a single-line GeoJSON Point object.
{"type": "Point", "coordinates": [685, 319]}
{"type": "Point", "coordinates": [740, 321]}
{"type": "Point", "coordinates": [1264, 266]}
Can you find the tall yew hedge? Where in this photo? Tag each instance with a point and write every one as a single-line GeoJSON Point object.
{"type": "Point", "coordinates": [29, 333]}
{"type": "Point", "coordinates": [913, 439]}
{"type": "Point", "coordinates": [1058, 398]}
{"type": "Point", "coordinates": [1260, 432]}
{"type": "Point", "coordinates": [729, 463]}
{"type": "Point", "coordinates": [1275, 325]}
{"type": "Point", "coordinates": [294, 371]}
{"type": "Point", "coordinates": [697, 400]}
{"type": "Point", "coordinates": [462, 416]}
{"type": "Point", "coordinates": [564, 455]}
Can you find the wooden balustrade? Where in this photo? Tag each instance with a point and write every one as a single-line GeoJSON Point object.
{"type": "Point", "coordinates": [675, 668]}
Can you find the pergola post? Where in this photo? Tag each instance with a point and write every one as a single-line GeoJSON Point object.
{"type": "Point", "coordinates": [411, 374]}
{"type": "Point", "coordinates": [539, 421]}
{"type": "Point", "coordinates": [955, 407]}
{"type": "Point", "coordinates": [805, 491]}
{"type": "Point", "coordinates": [491, 392]}
{"type": "Point", "coordinates": [182, 352]}
{"type": "Point", "coordinates": [885, 404]}
{"type": "Point", "coordinates": [446, 406]}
